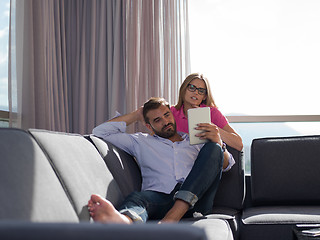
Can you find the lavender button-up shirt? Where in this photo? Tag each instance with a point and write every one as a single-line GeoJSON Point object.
{"type": "Point", "coordinates": [163, 163]}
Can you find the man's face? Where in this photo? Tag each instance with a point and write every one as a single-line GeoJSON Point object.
{"type": "Point", "coordinates": [161, 122]}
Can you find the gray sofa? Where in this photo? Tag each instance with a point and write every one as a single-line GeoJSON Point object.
{"type": "Point", "coordinates": [46, 179]}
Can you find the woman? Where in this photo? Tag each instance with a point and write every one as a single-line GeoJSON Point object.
{"type": "Point", "coordinates": [195, 92]}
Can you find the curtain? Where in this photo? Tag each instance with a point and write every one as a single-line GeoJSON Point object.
{"type": "Point", "coordinates": [157, 51]}
{"type": "Point", "coordinates": [95, 61]}
{"type": "Point", "coordinates": [74, 63]}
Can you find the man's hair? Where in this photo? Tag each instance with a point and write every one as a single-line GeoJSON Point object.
{"type": "Point", "coordinates": [151, 104]}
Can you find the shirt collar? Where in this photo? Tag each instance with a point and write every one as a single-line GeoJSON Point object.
{"type": "Point", "coordinates": [185, 136]}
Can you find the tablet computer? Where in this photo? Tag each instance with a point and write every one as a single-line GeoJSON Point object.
{"type": "Point", "coordinates": [195, 116]}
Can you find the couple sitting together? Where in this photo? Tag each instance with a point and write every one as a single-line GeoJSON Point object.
{"type": "Point", "coordinates": [178, 179]}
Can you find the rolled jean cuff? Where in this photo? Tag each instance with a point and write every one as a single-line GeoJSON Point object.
{"type": "Point", "coordinates": [186, 196]}
{"type": "Point", "coordinates": [131, 214]}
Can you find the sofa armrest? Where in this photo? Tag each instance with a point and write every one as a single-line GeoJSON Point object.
{"type": "Point", "coordinates": [75, 231]}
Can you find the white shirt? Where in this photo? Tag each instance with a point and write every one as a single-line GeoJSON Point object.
{"type": "Point", "coordinates": [163, 163]}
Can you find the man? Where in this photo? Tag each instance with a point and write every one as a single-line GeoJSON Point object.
{"type": "Point", "coordinates": [178, 179]}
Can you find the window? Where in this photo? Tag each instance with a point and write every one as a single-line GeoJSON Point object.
{"type": "Point", "coordinates": [262, 59]}
{"type": "Point", "coordinates": [4, 38]}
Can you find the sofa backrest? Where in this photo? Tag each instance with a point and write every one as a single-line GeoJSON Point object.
{"type": "Point", "coordinates": [29, 187]}
{"type": "Point", "coordinates": [231, 191]}
{"type": "Point", "coordinates": [123, 166]}
{"type": "Point", "coordinates": [285, 170]}
{"type": "Point", "coordinates": [79, 167]}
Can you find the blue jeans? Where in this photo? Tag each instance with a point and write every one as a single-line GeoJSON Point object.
{"type": "Point", "coordinates": [198, 189]}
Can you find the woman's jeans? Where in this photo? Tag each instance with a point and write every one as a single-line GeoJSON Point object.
{"type": "Point", "coordinates": [198, 189]}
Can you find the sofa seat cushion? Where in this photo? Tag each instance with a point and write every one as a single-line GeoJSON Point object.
{"type": "Point", "coordinates": [281, 215]}
{"type": "Point", "coordinates": [265, 223]}
{"type": "Point", "coordinates": [217, 229]}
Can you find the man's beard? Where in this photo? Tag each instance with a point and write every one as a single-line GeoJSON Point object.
{"type": "Point", "coordinates": [167, 133]}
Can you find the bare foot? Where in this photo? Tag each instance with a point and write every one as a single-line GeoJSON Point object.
{"type": "Point", "coordinates": [102, 210]}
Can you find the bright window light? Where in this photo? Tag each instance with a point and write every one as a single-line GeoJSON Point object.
{"type": "Point", "coordinates": [4, 38]}
{"type": "Point", "coordinates": [262, 57]}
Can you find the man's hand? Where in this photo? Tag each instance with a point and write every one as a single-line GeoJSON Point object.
{"type": "Point", "coordinates": [139, 115]}
{"type": "Point", "coordinates": [210, 131]}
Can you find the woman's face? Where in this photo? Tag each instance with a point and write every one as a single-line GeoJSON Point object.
{"type": "Point", "coordinates": [194, 98]}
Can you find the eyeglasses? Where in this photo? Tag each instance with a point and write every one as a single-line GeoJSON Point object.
{"type": "Point", "coordinates": [193, 88]}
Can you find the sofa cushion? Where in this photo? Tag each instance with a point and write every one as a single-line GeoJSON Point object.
{"type": "Point", "coordinates": [30, 189]}
{"type": "Point", "coordinates": [285, 170]}
{"type": "Point", "coordinates": [276, 222]}
{"type": "Point", "coordinates": [215, 228]}
{"type": "Point", "coordinates": [281, 215]}
{"type": "Point", "coordinates": [123, 166]}
{"type": "Point", "coordinates": [80, 168]}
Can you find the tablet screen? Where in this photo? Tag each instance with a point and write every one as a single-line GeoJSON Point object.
{"type": "Point", "coordinates": [195, 116]}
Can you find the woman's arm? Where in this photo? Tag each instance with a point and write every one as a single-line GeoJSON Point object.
{"type": "Point", "coordinates": [231, 138]}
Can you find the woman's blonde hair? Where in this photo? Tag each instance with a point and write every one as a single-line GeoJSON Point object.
{"type": "Point", "coordinates": [209, 99]}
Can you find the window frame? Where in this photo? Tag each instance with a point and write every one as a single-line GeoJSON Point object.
{"type": "Point", "coordinates": [4, 115]}
{"type": "Point", "coordinates": [273, 118]}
